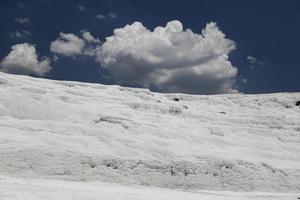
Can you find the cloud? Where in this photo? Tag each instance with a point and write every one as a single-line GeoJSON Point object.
{"type": "Point", "coordinates": [21, 20]}
{"type": "Point", "coordinates": [20, 35]}
{"type": "Point", "coordinates": [100, 16]}
{"type": "Point", "coordinates": [23, 59]}
{"type": "Point", "coordinates": [170, 58]}
{"type": "Point", "coordinates": [69, 44]}
{"type": "Point", "coordinates": [251, 59]}
{"type": "Point", "coordinates": [112, 15]}
{"type": "Point", "coordinates": [87, 36]}
{"type": "Point", "coordinates": [81, 8]}
{"type": "Point", "coordinates": [254, 62]}
{"type": "Point", "coordinates": [109, 15]}
{"type": "Point", "coordinates": [55, 58]}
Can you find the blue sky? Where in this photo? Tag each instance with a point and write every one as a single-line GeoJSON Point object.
{"type": "Point", "coordinates": [265, 35]}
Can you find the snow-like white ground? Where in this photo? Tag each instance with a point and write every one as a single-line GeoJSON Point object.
{"type": "Point", "coordinates": [36, 189]}
{"type": "Point", "coordinates": [70, 134]}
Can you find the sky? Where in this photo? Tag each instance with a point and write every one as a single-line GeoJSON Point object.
{"type": "Point", "coordinates": [191, 46]}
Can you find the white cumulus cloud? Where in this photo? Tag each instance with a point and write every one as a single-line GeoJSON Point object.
{"type": "Point", "coordinates": [170, 58]}
{"type": "Point", "coordinates": [23, 59]}
{"type": "Point", "coordinates": [69, 44]}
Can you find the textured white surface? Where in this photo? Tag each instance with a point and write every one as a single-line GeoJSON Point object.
{"type": "Point", "coordinates": [79, 131]}
{"type": "Point", "coordinates": [34, 189]}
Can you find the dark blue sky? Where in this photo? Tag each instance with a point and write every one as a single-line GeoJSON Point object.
{"type": "Point", "coordinates": [267, 30]}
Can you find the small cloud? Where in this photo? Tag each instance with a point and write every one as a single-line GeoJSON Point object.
{"type": "Point", "coordinates": [112, 15]}
{"type": "Point", "coordinates": [20, 35]}
{"type": "Point", "coordinates": [55, 58]}
{"type": "Point", "coordinates": [254, 62]}
{"type": "Point", "coordinates": [244, 80]}
{"type": "Point", "coordinates": [69, 44]}
{"type": "Point", "coordinates": [81, 8]}
{"type": "Point", "coordinates": [109, 15]}
{"type": "Point", "coordinates": [251, 59]}
{"type": "Point", "coordinates": [100, 16]}
{"type": "Point", "coordinates": [23, 59]}
{"type": "Point", "coordinates": [87, 36]}
{"type": "Point", "coordinates": [21, 20]}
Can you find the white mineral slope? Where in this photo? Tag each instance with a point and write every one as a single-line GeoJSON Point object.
{"type": "Point", "coordinates": [38, 189]}
{"type": "Point", "coordinates": [91, 132]}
